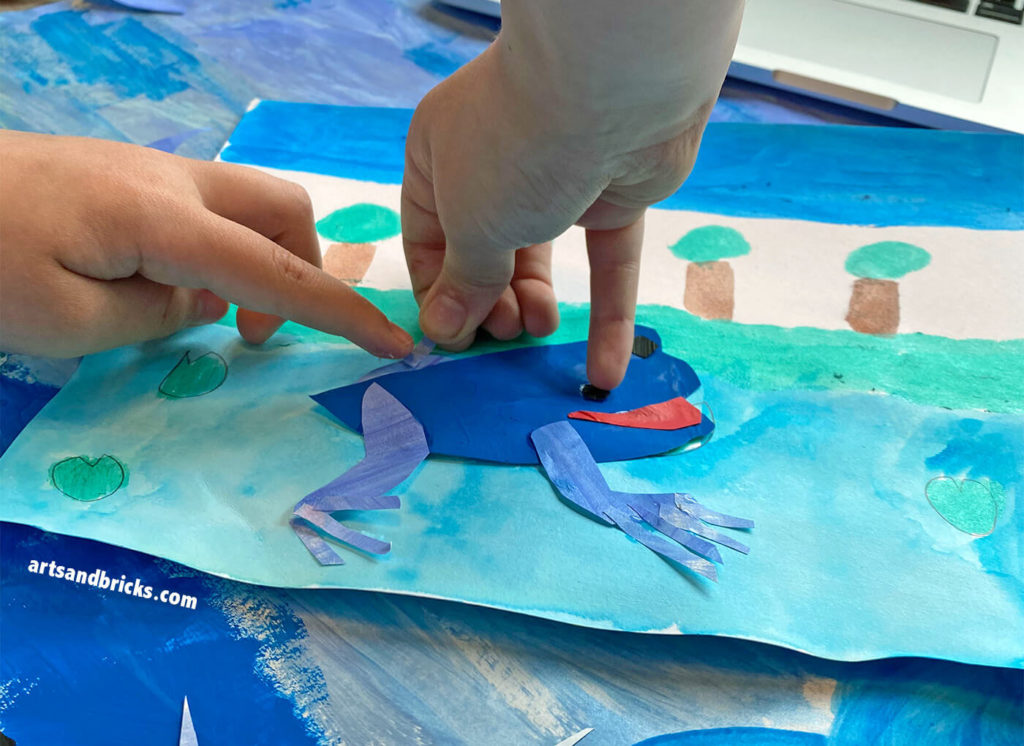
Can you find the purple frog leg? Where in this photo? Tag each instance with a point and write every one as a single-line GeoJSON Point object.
{"type": "Point", "coordinates": [395, 445]}
{"type": "Point", "coordinates": [573, 471]}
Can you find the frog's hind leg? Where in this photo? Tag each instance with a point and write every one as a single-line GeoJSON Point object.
{"type": "Point", "coordinates": [572, 469]}
{"type": "Point", "coordinates": [395, 445]}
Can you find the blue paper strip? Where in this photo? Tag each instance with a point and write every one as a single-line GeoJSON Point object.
{"type": "Point", "coordinates": [573, 471]}
{"type": "Point", "coordinates": [420, 357]}
{"type": "Point", "coordinates": [688, 504]}
{"type": "Point", "coordinates": [634, 528]}
{"type": "Point", "coordinates": [395, 445]}
{"type": "Point", "coordinates": [341, 532]}
{"type": "Point", "coordinates": [319, 548]}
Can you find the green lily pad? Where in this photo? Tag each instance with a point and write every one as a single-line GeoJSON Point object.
{"type": "Point", "coordinates": [965, 504]}
{"type": "Point", "coordinates": [194, 377]}
{"type": "Point", "coordinates": [86, 479]}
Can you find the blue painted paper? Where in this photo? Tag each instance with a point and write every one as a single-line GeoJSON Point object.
{"type": "Point", "coordinates": [491, 403]}
{"type": "Point", "coordinates": [903, 177]}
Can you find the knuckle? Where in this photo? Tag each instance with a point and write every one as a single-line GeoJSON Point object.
{"type": "Point", "coordinates": [296, 200]}
{"type": "Point", "coordinates": [293, 269]}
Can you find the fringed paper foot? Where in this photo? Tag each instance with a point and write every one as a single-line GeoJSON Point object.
{"type": "Point", "coordinates": [573, 471]}
{"type": "Point", "coordinates": [395, 445]}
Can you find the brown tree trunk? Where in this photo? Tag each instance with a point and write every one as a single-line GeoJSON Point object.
{"type": "Point", "coordinates": [709, 290]}
{"type": "Point", "coordinates": [874, 306]}
{"type": "Point", "coordinates": [349, 262]}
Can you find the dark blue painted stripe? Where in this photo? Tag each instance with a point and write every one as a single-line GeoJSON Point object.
{"type": "Point", "coordinates": [837, 174]}
{"type": "Point", "coordinates": [348, 141]}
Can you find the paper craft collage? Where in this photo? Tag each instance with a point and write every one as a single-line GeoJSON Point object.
{"type": "Point", "coordinates": [849, 472]}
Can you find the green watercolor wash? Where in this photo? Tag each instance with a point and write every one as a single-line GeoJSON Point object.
{"type": "Point", "coordinates": [362, 223]}
{"type": "Point", "coordinates": [886, 260]}
{"type": "Point", "coordinates": [197, 377]}
{"type": "Point", "coordinates": [710, 243]}
{"type": "Point", "coordinates": [86, 479]}
{"type": "Point", "coordinates": [934, 371]}
{"type": "Point", "coordinates": [966, 504]}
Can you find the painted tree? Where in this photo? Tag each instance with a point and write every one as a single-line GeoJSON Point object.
{"type": "Point", "coordinates": [355, 230]}
{"type": "Point", "coordinates": [710, 285]}
{"type": "Point", "coordinates": [875, 301]}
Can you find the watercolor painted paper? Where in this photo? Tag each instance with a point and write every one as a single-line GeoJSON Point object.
{"type": "Point", "coordinates": [867, 462]}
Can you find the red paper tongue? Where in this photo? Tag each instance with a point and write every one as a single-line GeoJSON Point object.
{"type": "Point", "coordinates": [673, 414]}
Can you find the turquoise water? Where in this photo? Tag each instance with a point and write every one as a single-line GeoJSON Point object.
{"type": "Point", "coordinates": [848, 558]}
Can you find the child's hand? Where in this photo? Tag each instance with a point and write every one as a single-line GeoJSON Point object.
{"type": "Point", "coordinates": [582, 114]}
{"type": "Point", "coordinates": [104, 244]}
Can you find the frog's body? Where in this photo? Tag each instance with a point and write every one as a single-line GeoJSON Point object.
{"type": "Point", "coordinates": [524, 406]}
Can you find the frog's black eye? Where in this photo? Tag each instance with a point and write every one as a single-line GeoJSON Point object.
{"type": "Point", "coordinates": [644, 346]}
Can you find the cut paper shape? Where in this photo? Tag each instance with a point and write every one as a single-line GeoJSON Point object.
{"type": "Point", "coordinates": [360, 223]}
{"type": "Point", "coordinates": [668, 415]}
{"type": "Point", "coordinates": [643, 346]}
{"type": "Point", "coordinates": [349, 262]}
{"type": "Point", "coordinates": [965, 504]}
{"type": "Point", "coordinates": [420, 357]}
{"type": "Point", "coordinates": [175, 7]}
{"type": "Point", "coordinates": [171, 143]}
{"type": "Point", "coordinates": [738, 736]}
{"type": "Point", "coordinates": [575, 738]}
{"type": "Point", "coordinates": [85, 479]}
{"type": "Point", "coordinates": [875, 300]}
{"type": "Point", "coordinates": [187, 734]}
{"type": "Point", "coordinates": [710, 286]}
{"type": "Point", "coordinates": [493, 402]}
{"type": "Point", "coordinates": [573, 471]}
{"type": "Point", "coordinates": [190, 378]}
{"type": "Point", "coordinates": [395, 445]}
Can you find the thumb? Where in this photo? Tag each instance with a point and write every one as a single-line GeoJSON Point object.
{"type": "Point", "coordinates": [464, 293]}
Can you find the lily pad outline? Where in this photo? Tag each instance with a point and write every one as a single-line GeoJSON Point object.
{"type": "Point", "coordinates": [960, 483]}
{"type": "Point", "coordinates": [92, 464]}
{"type": "Point", "coordinates": [189, 361]}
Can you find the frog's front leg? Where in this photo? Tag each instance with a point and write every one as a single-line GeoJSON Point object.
{"type": "Point", "coordinates": [395, 445]}
{"type": "Point", "coordinates": [572, 469]}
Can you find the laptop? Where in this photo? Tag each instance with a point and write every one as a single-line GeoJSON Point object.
{"type": "Point", "coordinates": [954, 64]}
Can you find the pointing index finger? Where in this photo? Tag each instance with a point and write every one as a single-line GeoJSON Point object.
{"type": "Point", "coordinates": [614, 277]}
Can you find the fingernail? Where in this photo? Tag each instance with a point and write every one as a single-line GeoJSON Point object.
{"type": "Point", "coordinates": [402, 342]}
{"type": "Point", "coordinates": [443, 318]}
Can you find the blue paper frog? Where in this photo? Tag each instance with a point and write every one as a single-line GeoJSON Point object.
{"type": "Point", "coordinates": [524, 406]}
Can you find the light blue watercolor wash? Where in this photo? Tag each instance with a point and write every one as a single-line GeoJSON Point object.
{"type": "Point", "coordinates": [848, 560]}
